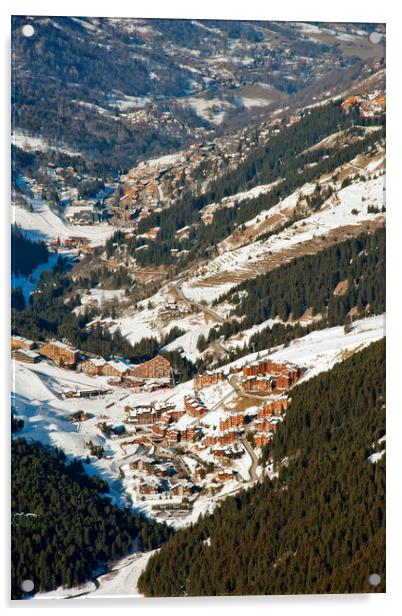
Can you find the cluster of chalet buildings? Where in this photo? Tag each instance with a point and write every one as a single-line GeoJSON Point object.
{"type": "Point", "coordinates": [233, 421]}
{"type": "Point", "coordinates": [228, 437]}
{"type": "Point", "coordinates": [161, 418]}
{"type": "Point", "coordinates": [231, 429]}
{"type": "Point", "coordinates": [190, 434]}
{"type": "Point", "coordinates": [154, 486]}
{"type": "Point", "coordinates": [148, 413]}
{"type": "Point", "coordinates": [369, 104]}
{"type": "Point", "coordinates": [82, 212]}
{"type": "Point", "coordinates": [156, 368]}
{"type": "Point", "coordinates": [154, 479]}
{"type": "Point", "coordinates": [172, 310]}
{"type": "Point", "coordinates": [60, 353]}
{"type": "Point", "coordinates": [154, 185]}
{"type": "Point", "coordinates": [269, 416]}
{"type": "Point", "coordinates": [77, 210]}
{"type": "Point", "coordinates": [229, 452]}
{"type": "Point", "coordinates": [68, 357]}
{"type": "Point", "coordinates": [23, 349]}
{"type": "Point", "coordinates": [71, 243]}
{"type": "Point", "coordinates": [158, 479]}
{"type": "Point", "coordinates": [269, 376]}
{"type": "Point", "coordinates": [274, 407]}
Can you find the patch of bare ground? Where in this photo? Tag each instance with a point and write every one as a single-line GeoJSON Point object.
{"type": "Point", "coordinates": [308, 316]}
{"type": "Point", "coordinates": [244, 235]}
{"type": "Point", "coordinates": [147, 277]}
{"type": "Point", "coordinates": [239, 404]}
{"type": "Point", "coordinates": [341, 287]}
{"type": "Point", "coordinates": [329, 142]}
{"type": "Point", "coordinates": [269, 262]}
{"type": "Point", "coordinates": [360, 164]}
{"type": "Point", "coordinates": [346, 353]}
{"type": "Point", "coordinates": [373, 82]}
{"type": "Point", "coordinates": [88, 264]}
{"type": "Point", "coordinates": [256, 91]}
{"type": "Point", "coordinates": [361, 46]}
{"type": "Point", "coordinates": [151, 275]}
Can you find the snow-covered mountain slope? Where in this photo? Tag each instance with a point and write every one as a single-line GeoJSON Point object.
{"type": "Point", "coordinates": [119, 582]}
{"type": "Point", "coordinates": [320, 350]}
{"type": "Point", "coordinates": [348, 212]}
{"type": "Point", "coordinates": [44, 224]}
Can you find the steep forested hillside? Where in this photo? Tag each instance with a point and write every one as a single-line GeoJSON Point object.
{"type": "Point", "coordinates": [63, 525]}
{"type": "Point", "coordinates": [48, 314]}
{"type": "Point", "coordinates": [26, 255]}
{"type": "Point", "coordinates": [339, 283]}
{"type": "Point", "coordinates": [283, 161]}
{"type": "Point", "coordinates": [311, 281]}
{"type": "Point", "coordinates": [317, 528]}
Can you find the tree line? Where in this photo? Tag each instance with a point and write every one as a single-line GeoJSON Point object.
{"type": "Point", "coordinates": [306, 282]}
{"type": "Point", "coordinates": [49, 314]}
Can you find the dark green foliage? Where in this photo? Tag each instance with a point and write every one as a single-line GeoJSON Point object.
{"type": "Point", "coordinates": [95, 450]}
{"type": "Point", "coordinates": [64, 64]}
{"type": "Point", "coordinates": [26, 254]}
{"type": "Point", "coordinates": [173, 333]}
{"type": "Point", "coordinates": [74, 528]}
{"type": "Point", "coordinates": [31, 163]}
{"type": "Point", "coordinates": [72, 65]}
{"type": "Point", "coordinates": [271, 337]}
{"type": "Point", "coordinates": [309, 282]}
{"type": "Point", "coordinates": [105, 278]}
{"type": "Point", "coordinates": [182, 365]}
{"type": "Point", "coordinates": [17, 299]}
{"type": "Point", "coordinates": [320, 526]}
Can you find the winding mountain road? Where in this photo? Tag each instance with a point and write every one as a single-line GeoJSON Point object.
{"type": "Point", "coordinates": [254, 459]}
{"type": "Point", "coordinates": [208, 311]}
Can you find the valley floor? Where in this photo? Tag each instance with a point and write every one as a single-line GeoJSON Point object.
{"type": "Point", "coordinates": [39, 400]}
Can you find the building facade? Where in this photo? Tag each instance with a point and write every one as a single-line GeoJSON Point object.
{"type": "Point", "coordinates": [61, 353]}
{"type": "Point", "coordinates": [156, 368]}
{"type": "Point", "coordinates": [209, 378]}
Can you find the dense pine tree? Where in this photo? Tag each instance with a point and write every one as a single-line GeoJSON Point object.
{"type": "Point", "coordinates": [26, 254]}
{"type": "Point", "coordinates": [64, 526]}
{"type": "Point", "coordinates": [309, 282]}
